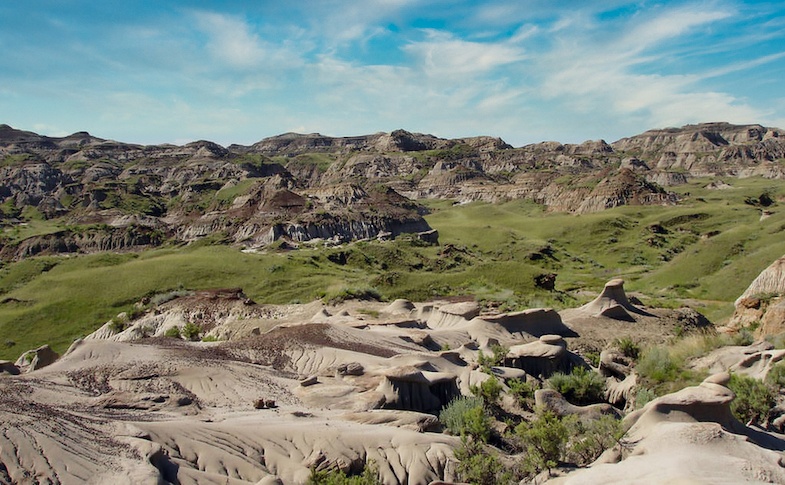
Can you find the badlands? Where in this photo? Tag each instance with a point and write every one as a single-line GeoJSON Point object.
{"type": "Point", "coordinates": [286, 391]}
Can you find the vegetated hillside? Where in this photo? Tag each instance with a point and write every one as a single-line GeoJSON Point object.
{"type": "Point", "coordinates": [535, 214]}
{"type": "Point", "coordinates": [81, 193]}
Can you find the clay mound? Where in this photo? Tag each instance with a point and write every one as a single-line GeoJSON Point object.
{"type": "Point", "coordinates": [613, 303]}
{"type": "Point", "coordinates": [453, 314]}
{"type": "Point", "coordinates": [249, 450]}
{"type": "Point", "coordinates": [763, 302]}
{"type": "Point", "coordinates": [555, 402]}
{"type": "Point", "coordinates": [771, 281]}
{"type": "Point", "coordinates": [399, 307]}
{"type": "Point", "coordinates": [754, 360]}
{"type": "Point", "coordinates": [543, 357]}
{"type": "Point", "coordinates": [534, 322]}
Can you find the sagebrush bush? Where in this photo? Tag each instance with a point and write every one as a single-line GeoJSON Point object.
{"type": "Point", "coordinates": [522, 391]}
{"type": "Point", "coordinates": [466, 416]}
{"type": "Point", "coordinates": [754, 399]}
{"type": "Point", "coordinates": [592, 438]}
{"type": "Point", "coordinates": [544, 441]}
{"type": "Point", "coordinates": [191, 331]}
{"type": "Point", "coordinates": [486, 362]}
{"type": "Point", "coordinates": [489, 390]}
{"type": "Point", "coordinates": [172, 332]}
{"type": "Point", "coordinates": [657, 364]}
{"type": "Point", "coordinates": [369, 476]}
{"type": "Point", "coordinates": [776, 376]}
{"type": "Point", "coordinates": [581, 387]}
{"type": "Point", "coordinates": [628, 348]}
{"type": "Point", "coordinates": [478, 465]}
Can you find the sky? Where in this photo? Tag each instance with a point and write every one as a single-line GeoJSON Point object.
{"type": "Point", "coordinates": [525, 70]}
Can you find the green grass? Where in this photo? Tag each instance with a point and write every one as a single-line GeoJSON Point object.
{"type": "Point", "coordinates": [228, 194]}
{"type": "Point", "coordinates": [713, 247]}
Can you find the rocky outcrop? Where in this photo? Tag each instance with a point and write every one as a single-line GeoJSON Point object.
{"type": "Point", "coordinates": [283, 185]}
{"type": "Point", "coordinates": [544, 357]}
{"type": "Point", "coordinates": [556, 403]}
{"type": "Point", "coordinates": [37, 359]}
{"type": "Point", "coordinates": [613, 303]}
{"type": "Point", "coordinates": [763, 302]}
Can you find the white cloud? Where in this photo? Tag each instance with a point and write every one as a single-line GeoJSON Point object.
{"type": "Point", "coordinates": [232, 42]}
{"type": "Point", "coordinates": [444, 55]}
{"type": "Point", "coordinates": [616, 75]}
{"type": "Point", "coordinates": [231, 39]}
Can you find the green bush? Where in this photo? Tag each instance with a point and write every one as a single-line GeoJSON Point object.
{"type": "Point", "coordinates": [544, 441]}
{"type": "Point", "coordinates": [594, 437]}
{"type": "Point", "coordinates": [118, 324]}
{"type": "Point", "coordinates": [643, 397]}
{"type": "Point", "coordinates": [191, 331]}
{"type": "Point", "coordinates": [369, 476]}
{"type": "Point", "coordinates": [476, 465]}
{"type": "Point", "coordinates": [466, 416]}
{"type": "Point", "coordinates": [486, 362]}
{"type": "Point", "coordinates": [628, 348]}
{"type": "Point", "coordinates": [776, 376]}
{"type": "Point", "coordinates": [489, 390]}
{"type": "Point", "coordinates": [522, 391]}
{"type": "Point", "coordinates": [173, 332]}
{"type": "Point", "coordinates": [581, 387]}
{"type": "Point", "coordinates": [754, 399]}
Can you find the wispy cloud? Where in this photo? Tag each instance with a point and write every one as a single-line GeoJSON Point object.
{"type": "Point", "coordinates": [521, 70]}
{"type": "Point", "coordinates": [441, 54]}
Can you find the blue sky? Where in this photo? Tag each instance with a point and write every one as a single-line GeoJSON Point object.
{"type": "Point", "coordinates": [239, 71]}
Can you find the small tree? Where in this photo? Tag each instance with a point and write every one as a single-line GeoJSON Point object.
{"type": "Point", "coordinates": [369, 476]}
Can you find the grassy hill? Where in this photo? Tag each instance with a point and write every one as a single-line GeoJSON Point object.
{"type": "Point", "coordinates": [704, 251]}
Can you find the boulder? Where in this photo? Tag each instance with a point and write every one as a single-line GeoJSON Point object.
{"type": "Point", "coordinates": [37, 359]}
{"type": "Point", "coordinates": [351, 369]}
{"type": "Point", "coordinates": [8, 367]}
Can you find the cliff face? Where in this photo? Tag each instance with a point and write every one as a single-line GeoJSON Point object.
{"type": "Point", "coordinates": [312, 186]}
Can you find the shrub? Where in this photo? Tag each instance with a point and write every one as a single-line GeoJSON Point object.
{"type": "Point", "coordinates": [643, 397]}
{"type": "Point", "coordinates": [776, 376]}
{"type": "Point", "coordinates": [499, 353]}
{"type": "Point", "coordinates": [118, 324]}
{"type": "Point", "coordinates": [352, 294]}
{"type": "Point", "coordinates": [754, 399]}
{"type": "Point", "coordinates": [191, 331]}
{"type": "Point", "coordinates": [369, 476]}
{"type": "Point", "coordinates": [173, 332]}
{"type": "Point", "coordinates": [489, 390]}
{"type": "Point", "coordinates": [478, 466]}
{"type": "Point", "coordinates": [522, 391]}
{"type": "Point", "coordinates": [544, 441]}
{"type": "Point", "coordinates": [628, 348]}
{"type": "Point", "coordinates": [581, 387]}
{"type": "Point", "coordinates": [658, 365]}
{"type": "Point", "coordinates": [466, 416]}
{"type": "Point", "coordinates": [594, 437]}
